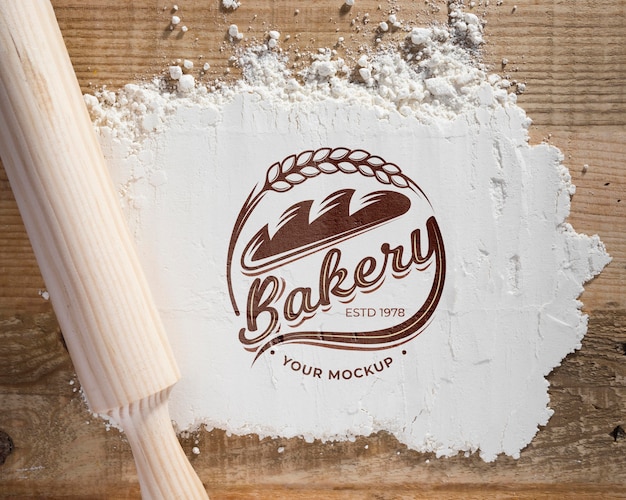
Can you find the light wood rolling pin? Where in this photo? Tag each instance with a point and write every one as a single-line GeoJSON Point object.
{"type": "Point", "coordinates": [87, 257]}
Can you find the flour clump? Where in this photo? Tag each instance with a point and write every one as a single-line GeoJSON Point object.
{"type": "Point", "coordinates": [212, 175]}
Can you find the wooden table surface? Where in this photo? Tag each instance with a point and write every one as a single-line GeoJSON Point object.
{"type": "Point", "coordinates": [572, 56]}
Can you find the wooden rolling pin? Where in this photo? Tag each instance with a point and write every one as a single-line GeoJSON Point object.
{"type": "Point", "coordinates": [87, 257]}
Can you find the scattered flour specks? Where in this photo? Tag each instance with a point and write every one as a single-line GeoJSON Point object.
{"type": "Point", "coordinates": [185, 157]}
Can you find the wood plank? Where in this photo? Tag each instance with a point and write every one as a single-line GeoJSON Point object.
{"type": "Point", "coordinates": [570, 55]}
{"type": "Point", "coordinates": [597, 206]}
{"type": "Point", "coordinates": [60, 446]}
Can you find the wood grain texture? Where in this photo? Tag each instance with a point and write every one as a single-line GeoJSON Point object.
{"type": "Point", "coordinates": [570, 54]}
{"type": "Point", "coordinates": [61, 447]}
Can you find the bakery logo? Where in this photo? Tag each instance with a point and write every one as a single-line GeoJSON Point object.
{"type": "Point", "coordinates": [336, 248]}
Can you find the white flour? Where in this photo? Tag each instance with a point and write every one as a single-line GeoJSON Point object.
{"type": "Point", "coordinates": [230, 4]}
{"type": "Point", "coordinates": [186, 161]}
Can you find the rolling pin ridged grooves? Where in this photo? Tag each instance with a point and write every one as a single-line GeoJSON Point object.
{"type": "Point", "coordinates": [84, 250]}
{"type": "Point", "coordinates": [73, 217]}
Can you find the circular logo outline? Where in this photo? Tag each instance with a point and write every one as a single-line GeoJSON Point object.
{"type": "Point", "coordinates": [296, 169]}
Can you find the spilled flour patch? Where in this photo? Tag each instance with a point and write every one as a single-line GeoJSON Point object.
{"type": "Point", "coordinates": [355, 247]}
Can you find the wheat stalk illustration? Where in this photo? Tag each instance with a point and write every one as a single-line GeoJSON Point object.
{"type": "Point", "coordinates": [295, 169]}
